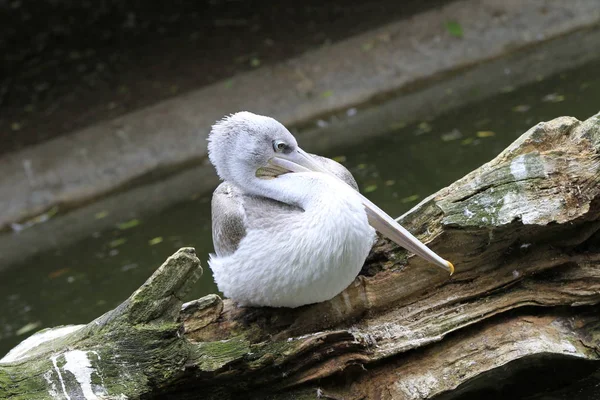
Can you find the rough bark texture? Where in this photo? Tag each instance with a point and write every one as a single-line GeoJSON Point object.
{"type": "Point", "coordinates": [522, 230]}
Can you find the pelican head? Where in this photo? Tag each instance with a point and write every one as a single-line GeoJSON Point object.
{"type": "Point", "coordinates": [245, 147]}
{"type": "Point", "coordinates": [242, 145]}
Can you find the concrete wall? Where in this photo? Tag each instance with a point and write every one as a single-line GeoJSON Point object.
{"type": "Point", "coordinates": [413, 62]}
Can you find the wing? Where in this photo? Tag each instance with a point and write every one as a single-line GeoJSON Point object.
{"type": "Point", "coordinates": [337, 169]}
{"type": "Point", "coordinates": [234, 212]}
{"type": "Point", "coordinates": [228, 219]}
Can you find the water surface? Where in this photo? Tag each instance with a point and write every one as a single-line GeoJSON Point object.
{"type": "Point", "coordinates": [78, 283]}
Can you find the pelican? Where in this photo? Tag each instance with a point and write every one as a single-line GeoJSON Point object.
{"type": "Point", "coordinates": [289, 228]}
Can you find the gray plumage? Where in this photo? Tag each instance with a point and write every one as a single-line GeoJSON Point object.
{"type": "Point", "coordinates": [233, 211]}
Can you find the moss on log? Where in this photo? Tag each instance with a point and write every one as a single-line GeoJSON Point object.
{"type": "Point", "coordinates": [523, 231]}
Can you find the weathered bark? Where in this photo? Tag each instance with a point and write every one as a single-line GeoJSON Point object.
{"type": "Point", "coordinates": [522, 230]}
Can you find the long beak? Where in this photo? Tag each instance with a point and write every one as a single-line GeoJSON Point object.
{"type": "Point", "coordinates": [300, 161]}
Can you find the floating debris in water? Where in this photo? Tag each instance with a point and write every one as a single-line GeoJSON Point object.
{"type": "Point", "coordinates": [340, 159]}
{"type": "Point", "coordinates": [16, 126]}
{"type": "Point", "coordinates": [28, 328]}
{"type": "Point", "coordinates": [351, 112]}
{"type": "Point", "coordinates": [322, 123]}
{"type": "Point", "coordinates": [101, 214]}
{"type": "Point", "coordinates": [454, 134]}
{"type": "Point", "coordinates": [467, 141]}
{"type": "Point", "coordinates": [410, 199]}
{"type": "Point", "coordinates": [129, 224]}
{"type": "Point", "coordinates": [361, 166]}
{"type": "Point", "coordinates": [521, 108]}
{"type": "Point", "coordinates": [484, 134]}
{"type": "Point", "coordinates": [57, 273]}
{"type": "Point", "coordinates": [553, 98]}
{"type": "Point", "coordinates": [454, 29]}
{"type": "Point", "coordinates": [326, 94]}
{"type": "Point", "coordinates": [155, 241]}
{"type": "Point", "coordinates": [423, 127]}
{"type": "Point", "coordinates": [16, 227]}
{"type": "Point", "coordinates": [389, 182]}
{"type": "Point", "coordinates": [128, 267]}
{"type": "Point", "coordinates": [255, 62]}
{"type": "Point", "coordinates": [370, 188]}
{"type": "Point", "coordinates": [117, 242]}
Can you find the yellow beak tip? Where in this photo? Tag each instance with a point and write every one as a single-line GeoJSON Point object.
{"type": "Point", "coordinates": [450, 267]}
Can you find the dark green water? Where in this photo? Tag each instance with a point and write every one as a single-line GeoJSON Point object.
{"type": "Point", "coordinates": [76, 284]}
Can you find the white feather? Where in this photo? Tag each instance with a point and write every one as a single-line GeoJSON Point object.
{"type": "Point", "coordinates": [316, 256]}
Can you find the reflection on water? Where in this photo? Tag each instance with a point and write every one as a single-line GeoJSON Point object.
{"type": "Point", "coordinates": [78, 283]}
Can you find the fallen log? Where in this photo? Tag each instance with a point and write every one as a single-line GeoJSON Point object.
{"type": "Point", "coordinates": [523, 231]}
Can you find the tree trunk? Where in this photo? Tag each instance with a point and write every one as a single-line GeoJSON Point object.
{"type": "Point", "coordinates": [523, 231]}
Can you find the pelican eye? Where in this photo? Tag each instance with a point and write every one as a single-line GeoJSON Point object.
{"type": "Point", "coordinates": [279, 146]}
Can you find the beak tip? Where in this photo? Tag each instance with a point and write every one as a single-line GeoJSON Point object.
{"type": "Point", "coordinates": [450, 267]}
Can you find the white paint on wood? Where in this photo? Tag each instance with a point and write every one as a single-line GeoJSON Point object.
{"type": "Point", "coordinates": [78, 363]}
{"type": "Point", "coordinates": [52, 390]}
{"type": "Point", "coordinates": [60, 378]}
{"type": "Point", "coordinates": [20, 352]}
